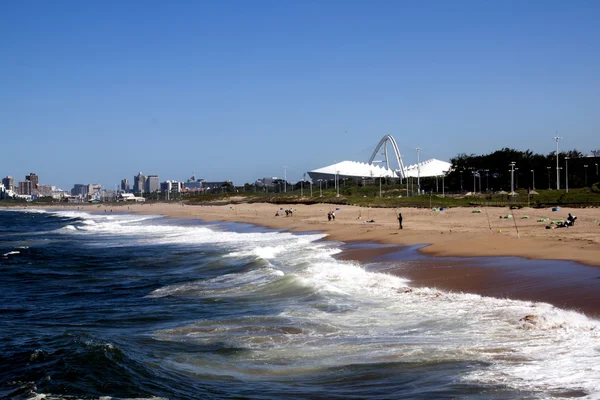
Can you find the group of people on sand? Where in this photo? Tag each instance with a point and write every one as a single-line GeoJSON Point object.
{"type": "Point", "coordinates": [331, 215]}
{"type": "Point", "coordinates": [288, 213]}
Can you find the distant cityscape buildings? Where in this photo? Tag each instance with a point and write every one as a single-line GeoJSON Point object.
{"type": "Point", "coordinates": [125, 185]}
{"type": "Point", "coordinates": [8, 183]}
{"type": "Point", "coordinates": [152, 184]}
{"type": "Point", "coordinates": [139, 183]}
{"type": "Point", "coordinates": [30, 188]}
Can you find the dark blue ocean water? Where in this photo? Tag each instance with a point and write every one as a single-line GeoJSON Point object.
{"type": "Point", "coordinates": [129, 306]}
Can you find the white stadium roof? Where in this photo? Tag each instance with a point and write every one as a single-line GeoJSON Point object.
{"type": "Point", "coordinates": [353, 169]}
{"type": "Point", "coordinates": [428, 168]}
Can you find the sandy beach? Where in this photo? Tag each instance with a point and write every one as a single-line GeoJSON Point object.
{"type": "Point", "coordinates": [455, 232]}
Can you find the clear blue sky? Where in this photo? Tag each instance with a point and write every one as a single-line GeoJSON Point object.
{"type": "Point", "coordinates": [93, 92]}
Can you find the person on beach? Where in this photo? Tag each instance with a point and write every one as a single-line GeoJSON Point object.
{"type": "Point", "coordinates": [329, 216]}
{"type": "Point", "coordinates": [571, 220]}
{"type": "Point", "coordinates": [333, 215]}
{"type": "Point", "coordinates": [399, 220]}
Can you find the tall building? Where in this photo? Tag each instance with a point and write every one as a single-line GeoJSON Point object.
{"type": "Point", "coordinates": [125, 185]}
{"type": "Point", "coordinates": [34, 179]}
{"type": "Point", "coordinates": [79, 190]}
{"type": "Point", "coordinates": [94, 188]}
{"type": "Point", "coordinates": [139, 183]}
{"type": "Point", "coordinates": [152, 184]}
{"type": "Point", "coordinates": [171, 187]}
{"type": "Point", "coordinates": [24, 188]}
{"type": "Point", "coordinates": [8, 183]}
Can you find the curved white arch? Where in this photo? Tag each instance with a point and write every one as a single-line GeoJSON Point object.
{"type": "Point", "coordinates": [383, 142]}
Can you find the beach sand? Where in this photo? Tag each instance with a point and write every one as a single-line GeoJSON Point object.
{"type": "Point", "coordinates": [455, 232]}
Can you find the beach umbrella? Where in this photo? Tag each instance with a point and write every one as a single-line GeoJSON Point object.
{"type": "Point", "coordinates": [502, 192]}
{"type": "Point", "coordinates": [533, 192]}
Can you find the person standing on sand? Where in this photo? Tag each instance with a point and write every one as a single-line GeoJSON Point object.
{"type": "Point", "coordinates": [400, 220]}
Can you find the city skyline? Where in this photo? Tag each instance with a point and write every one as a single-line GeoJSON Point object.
{"type": "Point", "coordinates": [238, 91]}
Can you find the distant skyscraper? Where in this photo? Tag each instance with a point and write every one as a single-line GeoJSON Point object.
{"type": "Point", "coordinates": [79, 190]}
{"type": "Point", "coordinates": [24, 188]}
{"type": "Point", "coordinates": [125, 185]}
{"type": "Point", "coordinates": [34, 179]}
{"type": "Point", "coordinates": [139, 183]}
{"type": "Point", "coordinates": [9, 183]}
{"type": "Point", "coordinates": [152, 184]}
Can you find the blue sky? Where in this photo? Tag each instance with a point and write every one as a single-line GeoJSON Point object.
{"type": "Point", "coordinates": [92, 92]}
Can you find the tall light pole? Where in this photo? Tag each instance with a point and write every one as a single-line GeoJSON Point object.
{"type": "Point", "coordinates": [533, 179]}
{"type": "Point", "coordinates": [418, 149]}
{"type": "Point", "coordinates": [596, 168]}
{"type": "Point", "coordinates": [474, 182]}
{"type": "Point", "coordinates": [461, 184]}
{"type": "Point", "coordinates": [443, 188]}
{"type": "Point", "coordinates": [487, 180]}
{"type": "Point", "coordinates": [557, 138]}
{"type": "Point", "coordinates": [512, 179]}
{"type": "Point", "coordinates": [337, 174]}
{"type": "Point", "coordinates": [567, 174]}
{"type": "Point", "coordinates": [585, 166]}
{"type": "Point", "coordinates": [284, 178]}
{"type": "Point", "coordinates": [320, 188]}
{"type": "Point", "coordinates": [380, 179]}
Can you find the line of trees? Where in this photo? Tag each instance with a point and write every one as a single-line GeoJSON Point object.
{"type": "Point", "coordinates": [492, 172]}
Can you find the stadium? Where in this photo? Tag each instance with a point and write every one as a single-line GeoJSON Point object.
{"type": "Point", "coordinates": [382, 168]}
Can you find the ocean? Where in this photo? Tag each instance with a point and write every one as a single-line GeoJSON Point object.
{"type": "Point", "coordinates": [122, 306]}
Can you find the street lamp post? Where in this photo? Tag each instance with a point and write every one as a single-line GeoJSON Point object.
{"type": "Point", "coordinates": [567, 174]}
{"type": "Point", "coordinates": [533, 179]}
{"type": "Point", "coordinates": [487, 180]}
{"type": "Point", "coordinates": [461, 183]}
{"type": "Point", "coordinates": [380, 178]}
{"type": "Point", "coordinates": [284, 178]}
{"type": "Point", "coordinates": [557, 138]}
{"type": "Point", "coordinates": [418, 149]}
{"type": "Point", "coordinates": [596, 169]}
{"type": "Point", "coordinates": [517, 178]}
{"type": "Point", "coordinates": [474, 182]}
{"type": "Point", "coordinates": [512, 180]}
{"type": "Point", "coordinates": [443, 188]}
{"type": "Point", "coordinates": [320, 188]}
{"type": "Point", "coordinates": [337, 174]}
{"type": "Point", "coordinates": [585, 166]}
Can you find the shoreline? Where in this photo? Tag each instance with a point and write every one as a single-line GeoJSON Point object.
{"type": "Point", "coordinates": [465, 258]}
{"type": "Point", "coordinates": [455, 232]}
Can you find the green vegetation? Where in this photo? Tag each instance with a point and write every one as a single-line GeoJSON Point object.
{"type": "Point", "coordinates": [394, 195]}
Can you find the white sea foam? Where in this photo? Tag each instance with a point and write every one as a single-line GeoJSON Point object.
{"type": "Point", "coordinates": [337, 313]}
{"type": "Point", "coordinates": [11, 252]}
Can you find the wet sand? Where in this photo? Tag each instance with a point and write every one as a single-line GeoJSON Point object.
{"type": "Point", "coordinates": [564, 284]}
